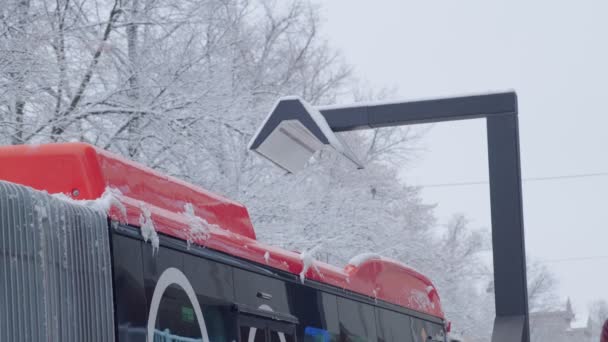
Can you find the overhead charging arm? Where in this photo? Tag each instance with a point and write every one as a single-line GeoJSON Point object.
{"type": "Point", "coordinates": [508, 245]}
{"type": "Point", "coordinates": [294, 130]}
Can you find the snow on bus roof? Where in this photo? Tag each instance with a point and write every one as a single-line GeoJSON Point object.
{"type": "Point", "coordinates": [137, 195]}
{"type": "Point", "coordinates": [357, 260]}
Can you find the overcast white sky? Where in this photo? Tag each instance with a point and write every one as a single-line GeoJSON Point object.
{"type": "Point", "coordinates": [555, 55]}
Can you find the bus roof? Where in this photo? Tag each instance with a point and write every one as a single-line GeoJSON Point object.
{"type": "Point", "coordinates": [83, 172]}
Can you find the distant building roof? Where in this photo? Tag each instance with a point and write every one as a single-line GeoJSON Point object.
{"type": "Point", "coordinates": [555, 326]}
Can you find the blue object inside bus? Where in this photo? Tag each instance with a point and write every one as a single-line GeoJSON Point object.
{"type": "Point", "coordinates": [316, 334]}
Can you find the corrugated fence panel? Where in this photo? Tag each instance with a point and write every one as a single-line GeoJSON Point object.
{"type": "Point", "coordinates": [55, 269]}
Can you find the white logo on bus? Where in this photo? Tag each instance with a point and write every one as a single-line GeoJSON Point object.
{"type": "Point", "coordinates": [173, 276]}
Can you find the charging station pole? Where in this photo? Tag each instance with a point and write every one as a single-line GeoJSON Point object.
{"type": "Point", "coordinates": [500, 112]}
{"type": "Point", "coordinates": [508, 245]}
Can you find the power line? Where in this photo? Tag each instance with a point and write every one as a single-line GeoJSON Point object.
{"type": "Point", "coordinates": [445, 185]}
{"type": "Point", "coordinates": [538, 179]}
{"type": "Point", "coordinates": [525, 180]}
{"type": "Point", "coordinates": [580, 258]}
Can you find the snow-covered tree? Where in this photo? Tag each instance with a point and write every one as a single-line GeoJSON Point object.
{"type": "Point", "coordinates": [542, 286]}
{"type": "Point", "coordinates": [182, 85]}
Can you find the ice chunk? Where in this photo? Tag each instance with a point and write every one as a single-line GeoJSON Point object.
{"type": "Point", "coordinates": [107, 201]}
{"type": "Point", "coordinates": [147, 228]}
{"type": "Point", "coordinates": [363, 257]}
{"type": "Point", "coordinates": [308, 260]}
{"type": "Point", "coordinates": [41, 210]}
{"type": "Point", "coordinates": [198, 228]}
{"type": "Point", "coordinates": [420, 300]}
{"type": "Point", "coordinates": [267, 257]}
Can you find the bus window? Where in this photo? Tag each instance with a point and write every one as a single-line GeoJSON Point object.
{"type": "Point", "coordinates": [279, 336]}
{"type": "Point", "coordinates": [357, 321]}
{"type": "Point", "coordinates": [252, 334]}
{"type": "Point", "coordinates": [219, 321]}
{"type": "Point", "coordinates": [418, 330]}
{"type": "Point", "coordinates": [255, 329]}
{"type": "Point", "coordinates": [393, 326]}
{"type": "Point", "coordinates": [424, 331]}
{"type": "Point", "coordinates": [176, 318]}
{"type": "Point", "coordinates": [436, 332]}
{"type": "Point", "coordinates": [130, 295]}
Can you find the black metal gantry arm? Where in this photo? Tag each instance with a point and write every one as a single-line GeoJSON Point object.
{"type": "Point", "coordinates": [294, 130]}
{"type": "Point", "coordinates": [508, 245]}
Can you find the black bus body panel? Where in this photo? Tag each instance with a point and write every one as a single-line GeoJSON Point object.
{"type": "Point", "coordinates": [230, 291]}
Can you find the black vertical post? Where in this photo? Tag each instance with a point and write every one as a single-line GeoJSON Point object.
{"type": "Point", "coordinates": [511, 294]}
{"type": "Point", "coordinates": [500, 111]}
